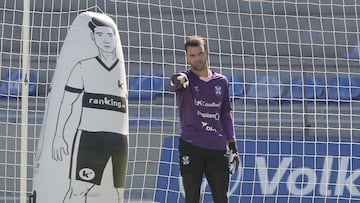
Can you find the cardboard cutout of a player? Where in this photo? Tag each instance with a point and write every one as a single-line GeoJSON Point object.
{"type": "Point", "coordinates": [91, 125]}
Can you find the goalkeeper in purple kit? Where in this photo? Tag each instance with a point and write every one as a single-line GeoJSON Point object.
{"type": "Point", "coordinates": [206, 125]}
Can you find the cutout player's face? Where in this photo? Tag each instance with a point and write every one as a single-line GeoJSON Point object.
{"type": "Point", "coordinates": [104, 38]}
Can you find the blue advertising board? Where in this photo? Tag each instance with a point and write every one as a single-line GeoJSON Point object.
{"type": "Point", "coordinates": [276, 171]}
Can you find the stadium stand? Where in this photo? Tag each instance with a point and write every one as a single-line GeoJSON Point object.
{"type": "Point", "coordinates": [266, 87]}
{"type": "Point", "coordinates": [236, 86]}
{"type": "Point", "coordinates": [307, 87]}
{"type": "Point", "coordinates": [343, 88]}
{"type": "Point", "coordinates": [145, 87]}
{"type": "Point", "coordinates": [10, 85]}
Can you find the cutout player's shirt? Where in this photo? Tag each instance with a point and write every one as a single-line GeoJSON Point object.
{"type": "Point", "coordinates": [104, 95]}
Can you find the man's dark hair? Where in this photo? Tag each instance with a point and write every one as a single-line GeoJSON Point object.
{"type": "Point", "coordinates": [195, 41]}
{"type": "Point", "coordinates": [99, 22]}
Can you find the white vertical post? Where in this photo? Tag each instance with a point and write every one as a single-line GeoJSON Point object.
{"type": "Point", "coordinates": [25, 36]}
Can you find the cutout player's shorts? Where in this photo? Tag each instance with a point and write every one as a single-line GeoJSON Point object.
{"type": "Point", "coordinates": [93, 153]}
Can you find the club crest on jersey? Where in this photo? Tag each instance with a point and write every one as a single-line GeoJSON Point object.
{"type": "Point", "coordinates": [218, 90]}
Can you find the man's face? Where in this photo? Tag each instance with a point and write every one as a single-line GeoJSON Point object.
{"type": "Point", "coordinates": [197, 57]}
{"type": "Point", "coordinates": [104, 38]}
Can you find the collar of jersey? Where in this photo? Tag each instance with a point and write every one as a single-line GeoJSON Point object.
{"type": "Point", "coordinates": [105, 66]}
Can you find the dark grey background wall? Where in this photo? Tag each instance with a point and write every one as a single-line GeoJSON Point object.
{"type": "Point", "coordinates": [241, 34]}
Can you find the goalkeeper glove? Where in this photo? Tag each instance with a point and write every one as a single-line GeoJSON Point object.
{"type": "Point", "coordinates": [179, 79]}
{"type": "Point", "coordinates": [234, 158]}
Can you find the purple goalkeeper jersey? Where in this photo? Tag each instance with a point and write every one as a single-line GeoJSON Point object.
{"type": "Point", "coordinates": [205, 112]}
